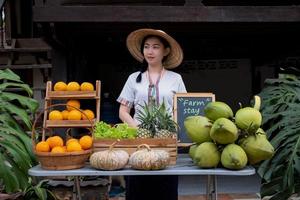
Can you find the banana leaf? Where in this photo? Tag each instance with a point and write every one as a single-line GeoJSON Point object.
{"type": "Point", "coordinates": [12, 109]}
{"type": "Point", "coordinates": [17, 154]}
{"type": "Point", "coordinates": [7, 74]}
{"type": "Point", "coordinates": [22, 86]}
{"type": "Point", "coordinates": [26, 102]}
{"type": "Point", "coordinates": [24, 138]}
{"type": "Point", "coordinates": [4, 133]}
{"type": "Point", "coordinates": [10, 121]}
{"type": "Point", "coordinates": [10, 181]}
{"type": "Point", "coordinates": [22, 176]}
{"type": "Point", "coordinates": [281, 113]}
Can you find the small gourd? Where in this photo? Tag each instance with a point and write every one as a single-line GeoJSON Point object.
{"type": "Point", "coordinates": [149, 159]}
{"type": "Point", "coordinates": [109, 159]}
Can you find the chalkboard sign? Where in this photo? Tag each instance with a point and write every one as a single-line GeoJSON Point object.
{"type": "Point", "coordinates": [189, 104]}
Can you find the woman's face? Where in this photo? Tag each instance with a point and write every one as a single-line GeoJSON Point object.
{"type": "Point", "coordinates": [154, 51]}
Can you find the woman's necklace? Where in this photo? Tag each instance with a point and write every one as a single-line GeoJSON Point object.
{"type": "Point", "coordinates": [153, 91]}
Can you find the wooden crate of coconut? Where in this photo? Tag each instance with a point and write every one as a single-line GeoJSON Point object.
{"type": "Point", "coordinates": [157, 129]}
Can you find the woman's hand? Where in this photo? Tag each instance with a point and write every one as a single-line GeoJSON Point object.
{"type": "Point", "coordinates": [124, 115]}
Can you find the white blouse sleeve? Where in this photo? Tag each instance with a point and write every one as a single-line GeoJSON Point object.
{"type": "Point", "coordinates": [181, 86]}
{"type": "Point", "coordinates": [127, 95]}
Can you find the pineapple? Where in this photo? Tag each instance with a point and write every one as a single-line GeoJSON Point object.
{"type": "Point", "coordinates": [147, 118]}
{"type": "Point", "coordinates": [166, 127]}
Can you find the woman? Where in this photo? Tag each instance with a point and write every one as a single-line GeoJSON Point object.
{"type": "Point", "coordinates": [154, 83]}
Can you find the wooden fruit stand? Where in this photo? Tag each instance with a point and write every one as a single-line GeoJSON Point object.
{"type": "Point", "coordinates": [67, 160]}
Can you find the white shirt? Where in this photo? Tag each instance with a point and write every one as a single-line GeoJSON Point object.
{"type": "Point", "coordinates": [136, 94]}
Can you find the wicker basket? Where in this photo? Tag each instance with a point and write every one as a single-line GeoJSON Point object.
{"type": "Point", "coordinates": [59, 161]}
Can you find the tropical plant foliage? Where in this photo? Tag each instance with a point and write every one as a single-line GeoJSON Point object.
{"type": "Point", "coordinates": [40, 191]}
{"type": "Point", "coordinates": [16, 155]}
{"type": "Point", "coordinates": [281, 120]}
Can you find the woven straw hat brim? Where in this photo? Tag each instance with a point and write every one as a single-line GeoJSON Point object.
{"type": "Point", "coordinates": [134, 41]}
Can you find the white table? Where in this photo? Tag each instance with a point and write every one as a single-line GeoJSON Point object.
{"type": "Point", "coordinates": [184, 166]}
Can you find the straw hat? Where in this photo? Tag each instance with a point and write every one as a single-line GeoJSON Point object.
{"type": "Point", "coordinates": [134, 42]}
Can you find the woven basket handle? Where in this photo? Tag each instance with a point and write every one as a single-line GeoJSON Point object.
{"type": "Point", "coordinates": [46, 109]}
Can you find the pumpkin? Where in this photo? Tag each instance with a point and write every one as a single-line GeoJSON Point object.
{"type": "Point", "coordinates": [149, 159]}
{"type": "Point", "coordinates": [109, 159]}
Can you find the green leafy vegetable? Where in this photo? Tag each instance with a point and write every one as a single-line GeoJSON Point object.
{"type": "Point", "coordinates": [119, 131]}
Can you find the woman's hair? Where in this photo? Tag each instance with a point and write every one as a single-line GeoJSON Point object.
{"type": "Point", "coordinates": [144, 64]}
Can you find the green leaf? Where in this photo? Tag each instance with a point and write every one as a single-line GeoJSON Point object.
{"type": "Point", "coordinates": [22, 86]}
{"type": "Point", "coordinates": [11, 108]}
{"type": "Point", "coordinates": [296, 161]}
{"type": "Point", "coordinates": [26, 102]}
{"type": "Point", "coordinates": [40, 193]}
{"type": "Point", "coordinates": [17, 154]}
{"type": "Point", "coordinates": [22, 176]}
{"type": "Point", "coordinates": [9, 179]}
{"type": "Point", "coordinates": [270, 188]}
{"type": "Point", "coordinates": [16, 130]}
{"type": "Point", "coordinates": [284, 195]}
{"type": "Point", "coordinates": [7, 74]}
{"type": "Point", "coordinates": [9, 121]}
{"type": "Point", "coordinates": [281, 121]}
{"type": "Point", "coordinates": [4, 133]}
{"type": "Point", "coordinates": [15, 144]}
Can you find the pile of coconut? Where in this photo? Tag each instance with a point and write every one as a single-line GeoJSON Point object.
{"type": "Point", "coordinates": [224, 139]}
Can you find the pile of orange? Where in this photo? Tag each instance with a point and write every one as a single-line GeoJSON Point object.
{"type": "Point", "coordinates": [73, 86]}
{"type": "Point", "coordinates": [55, 144]}
{"type": "Point", "coordinates": [71, 112]}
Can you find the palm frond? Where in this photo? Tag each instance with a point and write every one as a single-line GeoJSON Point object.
{"type": "Point", "coordinates": [281, 114]}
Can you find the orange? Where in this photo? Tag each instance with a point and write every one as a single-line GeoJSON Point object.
{"type": "Point", "coordinates": [55, 115]}
{"type": "Point", "coordinates": [88, 114]}
{"type": "Point", "coordinates": [74, 146]}
{"type": "Point", "coordinates": [55, 141]}
{"type": "Point", "coordinates": [73, 103]}
{"type": "Point", "coordinates": [74, 115]}
{"type": "Point", "coordinates": [42, 147]}
{"type": "Point", "coordinates": [60, 86]}
{"type": "Point", "coordinates": [86, 86]}
{"type": "Point", "coordinates": [65, 114]}
{"type": "Point", "coordinates": [86, 142]}
{"type": "Point", "coordinates": [58, 150]}
{"type": "Point", "coordinates": [73, 86]}
{"type": "Point", "coordinates": [71, 140]}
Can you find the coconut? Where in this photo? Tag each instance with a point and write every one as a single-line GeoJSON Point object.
{"type": "Point", "coordinates": [257, 148]}
{"type": "Point", "coordinates": [261, 132]}
{"type": "Point", "coordinates": [197, 128]}
{"type": "Point", "coordinates": [217, 109]}
{"type": "Point", "coordinates": [192, 150]}
{"type": "Point", "coordinates": [233, 157]}
{"type": "Point", "coordinates": [207, 155]}
{"type": "Point", "coordinates": [248, 119]}
{"type": "Point", "coordinates": [224, 131]}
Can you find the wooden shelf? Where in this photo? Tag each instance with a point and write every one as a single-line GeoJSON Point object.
{"type": "Point", "coordinates": [64, 95]}
{"type": "Point", "coordinates": [69, 123]}
{"type": "Point", "coordinates": [72, 95]}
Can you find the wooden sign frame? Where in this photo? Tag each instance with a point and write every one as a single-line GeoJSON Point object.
{"type": "Point", "coordinates": [190, 94]}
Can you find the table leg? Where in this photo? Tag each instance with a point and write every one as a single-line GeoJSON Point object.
{"type": "Point", "coordinates": [77, 187]}
{"type": "Point", "coordinates": [211, 188]}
